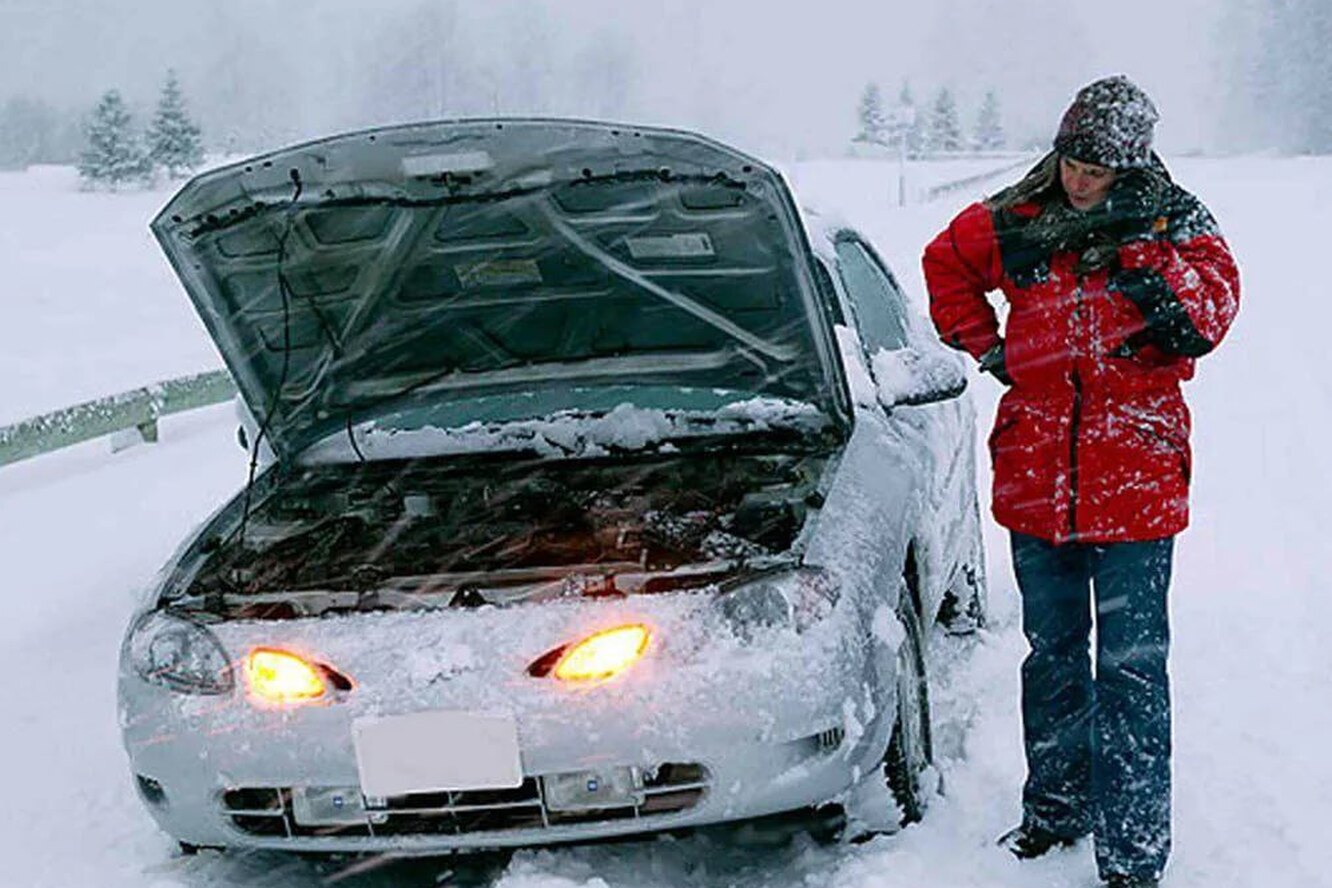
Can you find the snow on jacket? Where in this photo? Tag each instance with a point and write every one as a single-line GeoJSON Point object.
{"type": "Point", "coordinates": [1091, 443]}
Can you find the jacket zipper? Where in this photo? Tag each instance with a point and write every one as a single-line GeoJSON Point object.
{"type": "Point", "coordinates": [1076, 423]}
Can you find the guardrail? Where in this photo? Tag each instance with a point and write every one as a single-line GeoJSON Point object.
{"type": "Point", "coordinates": [939, 191]}
{"type": "Point", "coordinates": [137, 409]}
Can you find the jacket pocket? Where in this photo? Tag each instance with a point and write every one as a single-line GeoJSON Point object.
{"type": "Point", "coordinates": [1162, 437]}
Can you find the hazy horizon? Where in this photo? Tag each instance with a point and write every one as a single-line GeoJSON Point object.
{"type": "Point", "coordinates": [259, 72]}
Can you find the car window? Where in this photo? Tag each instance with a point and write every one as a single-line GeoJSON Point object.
{"type": "Point", "coordinates": [875, 298]}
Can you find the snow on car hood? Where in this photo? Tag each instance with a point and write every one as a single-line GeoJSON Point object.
{"type": "Point", "coordinates": [448, 261]}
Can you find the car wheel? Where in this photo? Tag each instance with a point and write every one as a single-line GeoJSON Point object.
{"type": "Point", "coordinates": [910, 751]}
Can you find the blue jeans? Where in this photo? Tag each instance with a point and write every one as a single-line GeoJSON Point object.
{"type": "Point", "coordinates": [1098, 746]}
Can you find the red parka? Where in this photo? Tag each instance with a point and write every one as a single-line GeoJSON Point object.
{"type": "Point", "coordinates": [1091, 443]}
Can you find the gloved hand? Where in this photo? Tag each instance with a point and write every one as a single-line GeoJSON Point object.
{"type": "Point", "coordinates": [1145, 289]}
{"type": "Point", "coordinates": [1133, 344]}
{"type": "Point", "coordinates": [1133, 209]}
{"type": "Point", "coordinates": [992, 362]}
{"type": "Point", "coordinates": [1166, 323]}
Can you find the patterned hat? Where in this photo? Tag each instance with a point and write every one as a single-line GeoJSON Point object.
{"type": "Point", "coordinates": [1109, 124]}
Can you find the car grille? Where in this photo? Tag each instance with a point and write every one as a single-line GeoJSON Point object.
{"type": "Point", "coordinates": [267, 811]}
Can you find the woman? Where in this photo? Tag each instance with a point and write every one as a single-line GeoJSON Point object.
{"type": "Point", "coordinates": [1117, 280]}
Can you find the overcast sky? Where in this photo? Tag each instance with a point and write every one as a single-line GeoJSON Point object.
{"type": "Point", "coordinates": [781, 78]}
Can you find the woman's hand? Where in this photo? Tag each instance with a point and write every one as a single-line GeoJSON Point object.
{"type": "Point", "coordinates": [993, 363]}
{"type": "Point", "coordinates": [1134, 207]}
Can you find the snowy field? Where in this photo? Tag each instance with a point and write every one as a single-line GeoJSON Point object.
{"type": "Point", "coordinates": [89, 307]}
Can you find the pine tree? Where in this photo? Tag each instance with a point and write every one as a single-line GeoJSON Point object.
{"type": "Point", "coordinates": [916, 135]}
{"type": "Point", "coordinates": [945, 133]}
{"type": "Point", "coordinates": [870, 114]}
{"type": "Point", "coordinates": [113, 154]}
{"type": "Point", "coordinates": [989, 131]}
{"type": "Point", "coordinates": [174, 140]}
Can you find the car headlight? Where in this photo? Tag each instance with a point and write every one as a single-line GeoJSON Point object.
{"type": "Point", "coordinates": [179, 654]}
{"type": "Point", "coordinates": [279, 677]}
{"type": "Point", "coordinates": [600, 656]}
{"type": "Point", "coordinates": [789, 598]}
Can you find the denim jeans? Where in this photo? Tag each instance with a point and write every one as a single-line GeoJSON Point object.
{"type": "Point", "coordinates": [1098, 744]}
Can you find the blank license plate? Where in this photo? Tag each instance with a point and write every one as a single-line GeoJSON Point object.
{"type": "Point", "coordinates": [438, 750]}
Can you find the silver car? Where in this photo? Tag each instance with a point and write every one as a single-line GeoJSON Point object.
{"type": "Point", "coordinates": [595, 490]}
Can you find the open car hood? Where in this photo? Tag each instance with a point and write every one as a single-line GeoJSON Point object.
{"type": "Point", "coordinates": [442, 262]}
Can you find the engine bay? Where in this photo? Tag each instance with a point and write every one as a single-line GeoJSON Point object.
{"type": "Point", "coordinates": [387, 534]}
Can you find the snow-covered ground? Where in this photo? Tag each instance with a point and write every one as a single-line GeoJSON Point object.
{"type": "Point", "coordinates": [88, 307]}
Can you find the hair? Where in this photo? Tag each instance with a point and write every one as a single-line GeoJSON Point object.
{"type": "Point", "coordinates": [1041, 185]}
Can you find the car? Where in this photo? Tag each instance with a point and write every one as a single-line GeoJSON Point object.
{"type": "Point", "coordinates": [595, 490]}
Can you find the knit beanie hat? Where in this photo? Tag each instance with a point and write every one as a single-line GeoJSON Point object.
{"type": "Point", "coordinates": [1109, 124]}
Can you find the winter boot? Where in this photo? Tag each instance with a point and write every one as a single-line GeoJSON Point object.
{"type": "Point", "coordinates": [1027, 841]}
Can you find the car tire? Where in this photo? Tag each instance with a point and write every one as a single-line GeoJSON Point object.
{"type": "Point", "coordinates": [910, 747]}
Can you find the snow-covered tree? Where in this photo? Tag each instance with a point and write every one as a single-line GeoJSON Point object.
{"type": "Point", "coordinates": [916, 134]}
{"type": "Point", "coordinates": [989, 131]}
{"type": "Point", "coordinates": [175, 142]}
{"type": "Point", "coordinates": [871, 117]}
{"type": "Point", "coordinates": [114, 153]}
{"type": "Point", "coordinates": [945, 132]}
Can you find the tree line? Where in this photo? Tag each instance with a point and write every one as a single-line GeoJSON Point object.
{"type": "Point", "coordinates": [107, 147]}
{"type": "Point", "coordinates": [115, 152]}
{"type": "Point", "coordinates": [925, 131]}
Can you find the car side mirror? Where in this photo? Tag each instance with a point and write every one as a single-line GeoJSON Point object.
{"type": "Point", "coordinates": [907, 377]}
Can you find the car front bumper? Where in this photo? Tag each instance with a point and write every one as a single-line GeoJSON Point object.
{"type": "Point", "coordinates": [699, 739]}
{"type": "Point", "coordinates": [201, 806]}
{"type": "Point", "coordinates": [700, 736]}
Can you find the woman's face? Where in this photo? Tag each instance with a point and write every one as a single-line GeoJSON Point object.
{"type": "Point", "coordinates": [1086, 184]}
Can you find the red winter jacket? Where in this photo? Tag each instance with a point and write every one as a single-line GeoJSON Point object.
{"type": "Point", "coordinates": [1087, 446]}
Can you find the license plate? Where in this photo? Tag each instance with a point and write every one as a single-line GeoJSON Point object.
{"type": "Point", "coordinates": [436, 750]}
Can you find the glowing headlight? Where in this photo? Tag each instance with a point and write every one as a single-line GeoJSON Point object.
{"type": "Point", "coordinates": [791, 598]}
{"type": "Point", "coordinates": [596, 657]}
{"type": "Point", "coordinates": [179, 654]}
{"type": "Point", "coordinates": [279, 677]}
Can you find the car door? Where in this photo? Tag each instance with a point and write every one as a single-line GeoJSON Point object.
{"type": "Point", "coordinates": [933, 435]}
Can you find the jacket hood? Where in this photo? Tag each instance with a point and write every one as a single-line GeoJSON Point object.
{"type": "Point", "coordinates": [441, 262]}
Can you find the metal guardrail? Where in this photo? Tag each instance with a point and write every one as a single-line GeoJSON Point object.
{"type": "Point", "coordinates": [138, 409]}
{"type": "Point", "coordinates": [939, 191]}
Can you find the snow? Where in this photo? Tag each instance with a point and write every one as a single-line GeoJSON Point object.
{"type": "Point", "coordinates": [90, 306]}
{"type": "Point", "coordinates": [904, 373]}
{"type": "Point", "coordinates": [624, 427]}
{"type": "Point", "coordinates": [92, 309]}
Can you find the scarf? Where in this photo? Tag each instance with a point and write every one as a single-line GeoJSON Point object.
{"type": "Point", "coordinates": [1095, 234]}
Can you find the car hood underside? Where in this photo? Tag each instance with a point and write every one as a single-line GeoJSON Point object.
{"type": "Point", "coordinates": [441, 262]}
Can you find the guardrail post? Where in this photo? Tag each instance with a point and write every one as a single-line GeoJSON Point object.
{"type": "Point", "coordinates": [136, 410]}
